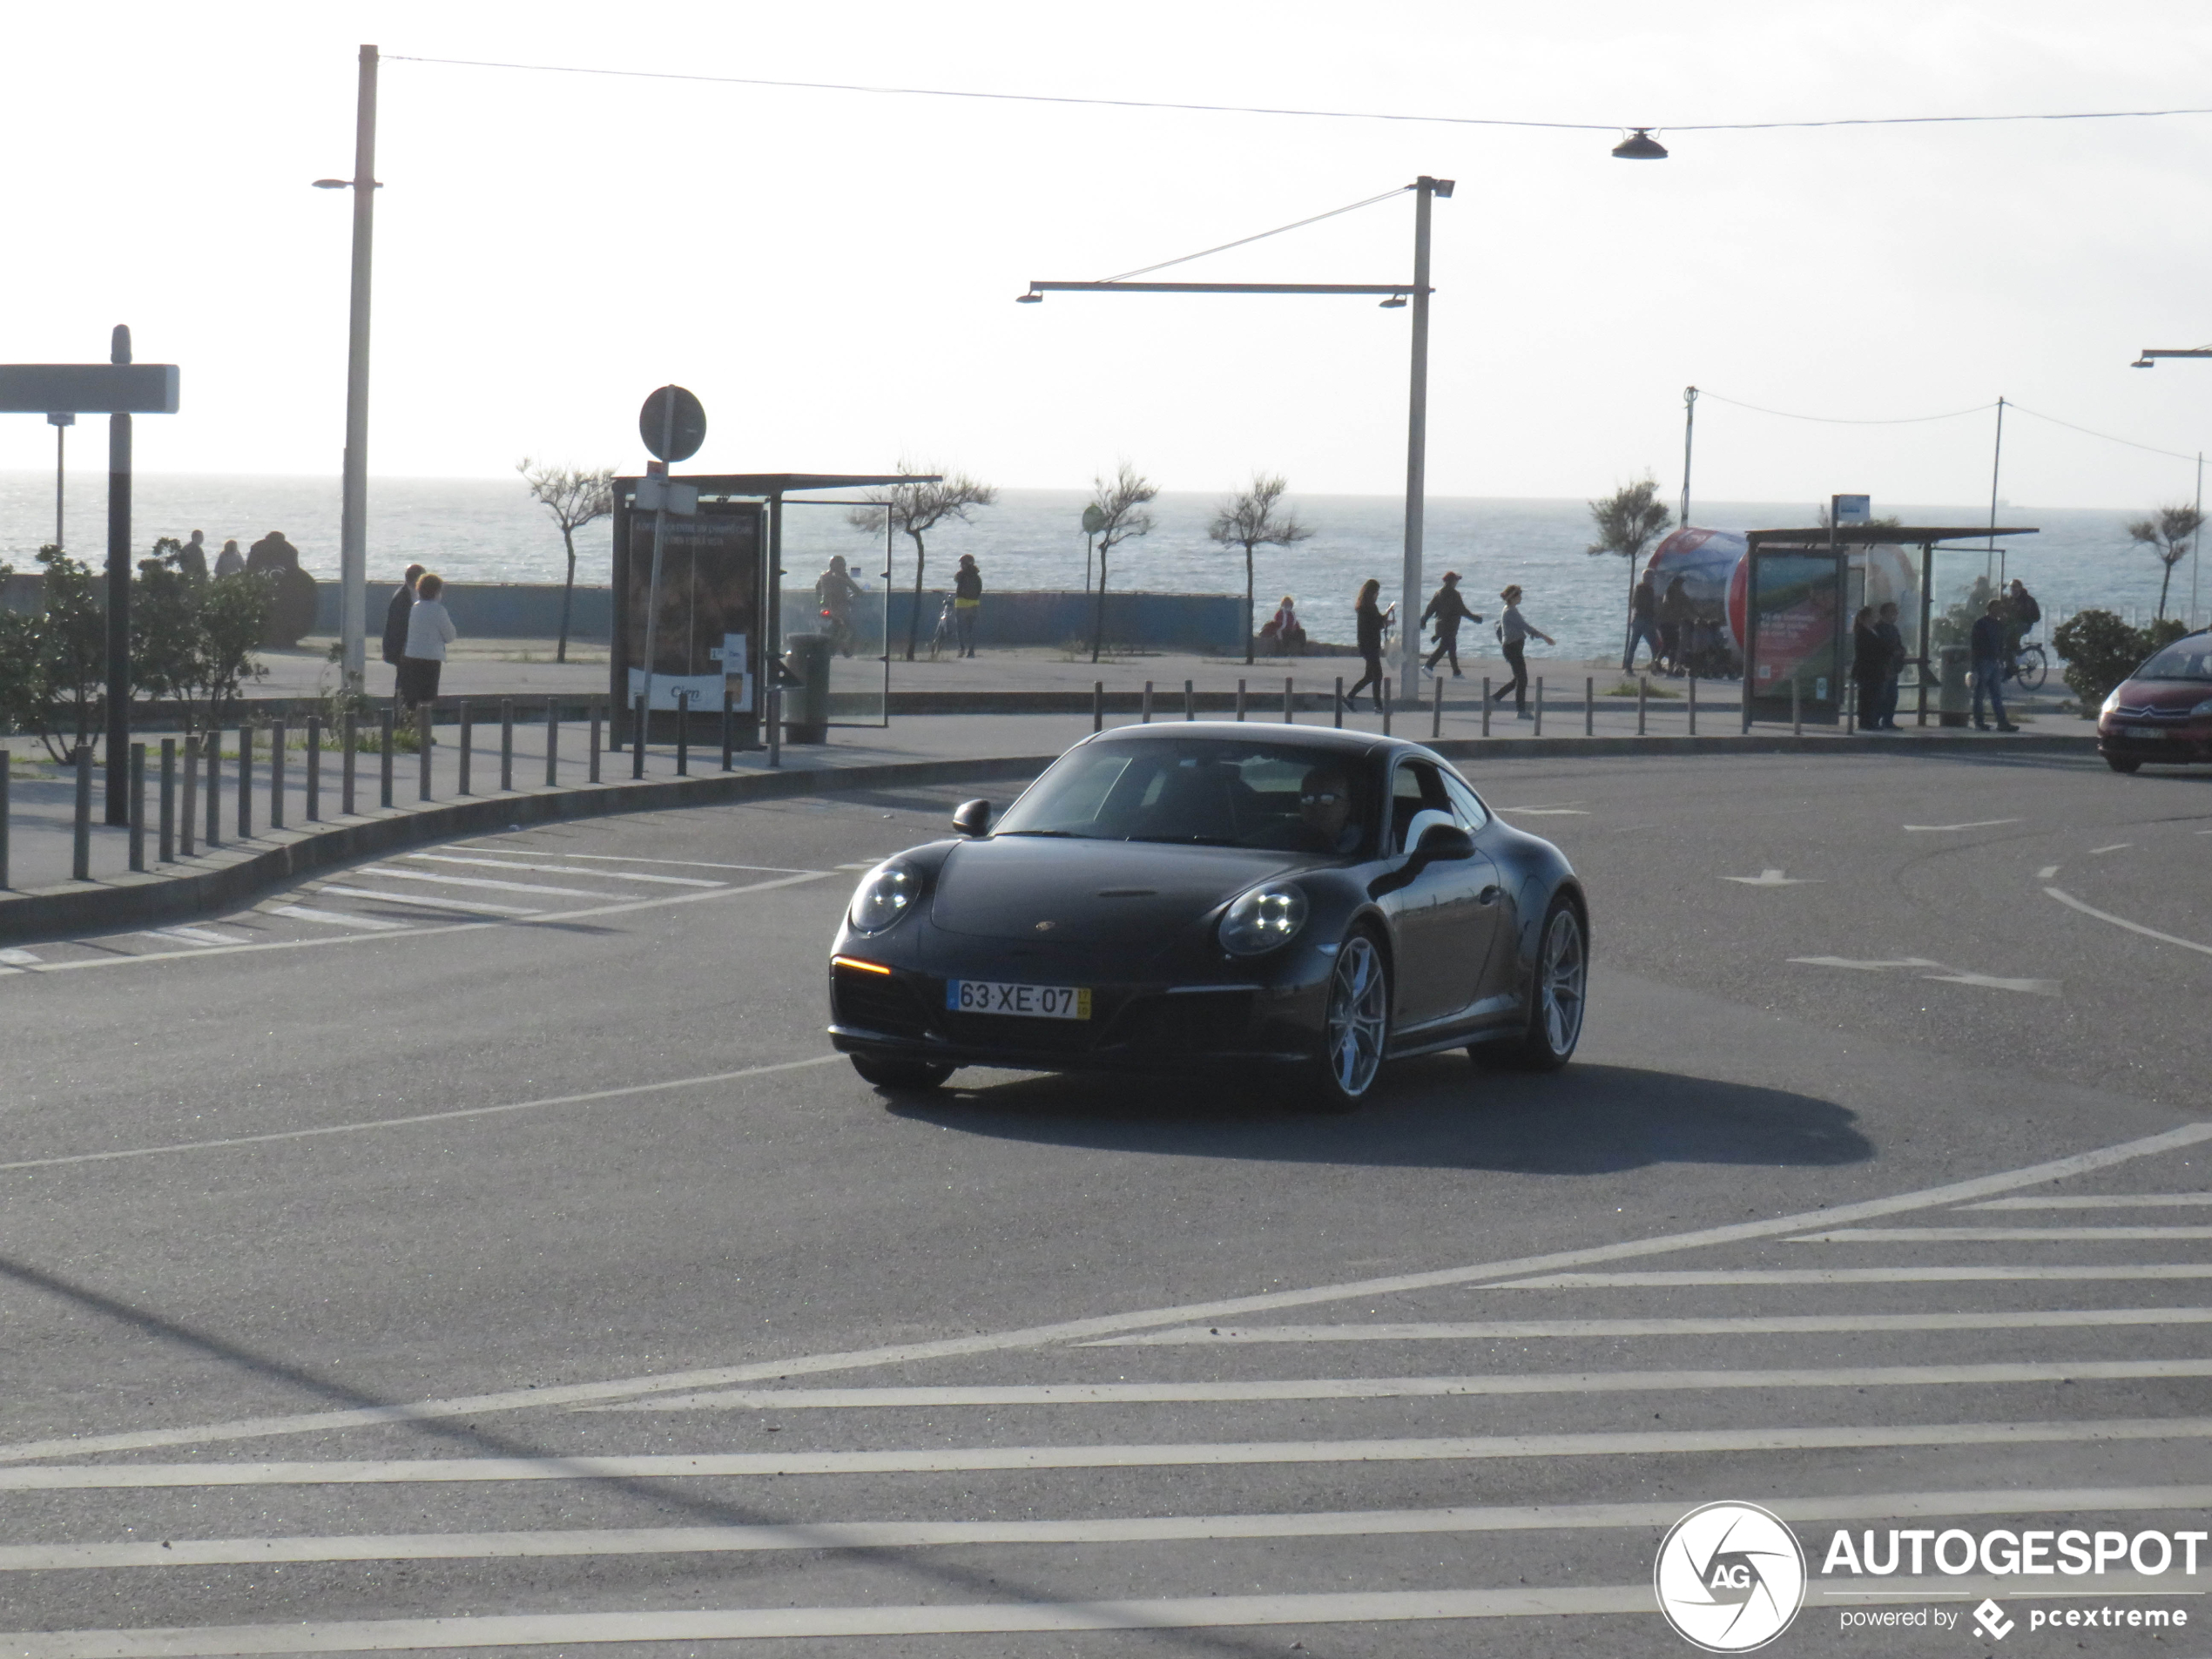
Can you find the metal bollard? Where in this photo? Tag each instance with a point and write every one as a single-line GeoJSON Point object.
{"type": "Point", "coordinates": [315, 769]}
{"type": "Point", "coordinates": [1693, 706]}
{"type": "Point", "coordinates": [167, 848]}
{"type": "Point", "coordinates": [1240, 699]}
{"type": "Point", "coordinates": [1336, 704]}
{"type": "Point", "coordinates": [1485, 705]}
{"type": "Point", "coordinates": [279, 741]}
{"type": "Point", "coordinates": [729, 727]}
{"type": "Point", "coordinates": [1797, 709]}
{"type": "Point", "coordinates": [466, 715]}
{"type": "Point", "coordinates": [4, 760]}
{"type": "Point", "coordinates": [1436, 716]}
{"type": "Point", "coordinates": [507, 743]}
{"type": "Point", "coordinates": [139, 807]}
{"type": "Point", "coordinates": [80, 861]}
{"type": "Point", "coordinates": [425, 728]}
{"type": "Point", "coordinates": [246, 783]}
{"type": "Point", "coordinates": [214, 788]}
{"type": "Point", "coordinates": [1590, 706]}
{"type": "Point", "coordinates": [348, 736]}
{"type": "Point", "coordinates": [775, 725]}
{"type": "Point", "coordinates": [384, 781]}
{"type": "Point", "coordinates": [683, 731]}
{"type": "Point", "coordinates": [1851, 704]}
{"type": "Point", "coordinates": [1098, 705]}
{"type": "Point", "coordinates": [1387, 703]}
{"type": "Point", "coordinates": [1540, 706]}
{"type": "Point", "coordinates": [595, 742]}
{"type": "Point", "coordinates": [1644, 691]}
{"type": "Point", "coordinates": [1145, 718]}
{"type": "Point", "coordinates": [638, 738]}
{"type": "Point", "coordinates": [553, 740]}
{"type": "Point", "coordinates": [1289, 702]}
{"type": "Point", "coordinates": [1189, 710]}
{"type": "Point", "coordinates": [188, 818]}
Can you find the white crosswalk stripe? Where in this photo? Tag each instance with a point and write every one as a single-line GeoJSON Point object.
{"type": "Point", "coordinates": [430, 901]}
{"type": "Point", "coordinates": [570, 869]}
{"type": "Point", "coordinates": [1686, 1402]}
{"type": "Point", "coordinates": [386, 872]}
{"type": "Point", "coordinates": [334, 918]}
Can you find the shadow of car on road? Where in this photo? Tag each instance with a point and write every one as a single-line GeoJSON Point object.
{"type": "Point", "coordinates": [1436, 1112]}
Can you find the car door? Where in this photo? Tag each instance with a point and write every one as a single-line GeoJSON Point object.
{"type": "Point", "coordinates": [1489, 937]}
{"type": "Point", "coordinates": [1435, 904]}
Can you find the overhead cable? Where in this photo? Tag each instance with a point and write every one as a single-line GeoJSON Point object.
{"type": "Point", "coordinates": [1262, 236]}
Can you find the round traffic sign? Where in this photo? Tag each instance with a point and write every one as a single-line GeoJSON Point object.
{"type": "Point", "coordinates": [1094, 521]}
{"type": "Point", "coordinates": [689, 430]}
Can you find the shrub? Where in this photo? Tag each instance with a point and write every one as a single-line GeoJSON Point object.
{"type": "Point", "coordinates": [2100, 650]}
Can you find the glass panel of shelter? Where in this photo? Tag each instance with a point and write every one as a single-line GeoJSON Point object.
{"type": "Point", "coordinates": [836, 575]}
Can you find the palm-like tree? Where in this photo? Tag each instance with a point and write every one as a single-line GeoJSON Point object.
{"type": "Point", "coordinates": [1627, 521]}
{"type": "Point", "coordinates": [2170, 534]}
{"type": "Point", "coordinates": [1249, 520]}
{"type": "Point", "coordinates": [1120, 503]}
{"type": "Point", "coordinates": [915, 510]}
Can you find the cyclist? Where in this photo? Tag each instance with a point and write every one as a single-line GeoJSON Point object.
{"type": "Point", "coordinates": [836, 591]}
{"type": "Point", "coordinates": [2021, 614]}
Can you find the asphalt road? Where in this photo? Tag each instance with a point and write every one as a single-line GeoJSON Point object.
{"type": "Point", "coordinates": [524, 1156]}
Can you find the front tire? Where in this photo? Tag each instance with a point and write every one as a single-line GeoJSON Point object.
{"type": "Point", "coordinates": [913, 1076]}
{"type": "Point", "coordinates": [1559, 992]}
{"type": "Point", "coordinates": [2122, 763]}
{"type": "Point", "coordinates": [1355, 1030]}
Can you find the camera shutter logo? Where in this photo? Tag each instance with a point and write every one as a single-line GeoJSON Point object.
{"type": "Point", "coordinates": [1730, 1577]}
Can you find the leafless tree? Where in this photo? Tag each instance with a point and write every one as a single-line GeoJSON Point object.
{"type": "Point", "coordinates": [2170, 535]}
{"type": "Point", "coordinates": [1249, 520]}
{"type": "Point", "coordinates": [914, 510]}
{"type": "Point", "coordinates": [1627, 521]}
{"type": "Point", "coordinates": [1120, 503]}
{"type": "Point", "coordinates": [576, 496]}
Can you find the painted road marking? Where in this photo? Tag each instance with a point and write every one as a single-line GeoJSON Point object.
{"type": "Point", "coordinates": [571, 869]}
{"type": "Point", "coordinates": [1719, 1326]}
{"type": "Point", "coordinates": [923, 1534]}
{"type": "Point", "coordinates": [2073, 903]}
{"type": "Point", "coordinates": [432, 902]}
{"type": "Point", "coordinates": [1994, 1235]}
{"type": "Point", "coordinates": [1565, 1382]}
{"type": "Point", "coordinates": [1997, 982]}
{"type": "Point", "coordinates": [2117, 846]}
{"type": "Point", "coordinates": [2046, 873]}
{"type": "Point", "coordinates": [1866, 967]}
{"type": "Point", "coordinates": [1547, 811]}
{"type": "Point", "coordinates": [1979, 823]}
{"type": "Point", "coordinates": [1850, 1276]}
{"type": "Point", "coordinates": [1039, 1336]}
{"type": "Point", "coordinates": [200, 935]}
{"type": "Point", "coordinates": [624, 858]}
{"type": "Point", "coordinates": [1770, 878]}
{"type": "Point", "coordinates": [623, 1093]}
{"type": "Point", "coordinates": [386, 872]}
{"type": "Point", "coordinates": [334, 918]}
{"type": "Point", "coordinates": [976, 1460]}
{"type": "Point", "coordinates": [2101, 1201]}
{"type": "Point", "coordinates": [15, 957]}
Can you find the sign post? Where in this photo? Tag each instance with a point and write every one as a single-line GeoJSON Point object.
{"type": "Point", "coordinates": [673, 425]}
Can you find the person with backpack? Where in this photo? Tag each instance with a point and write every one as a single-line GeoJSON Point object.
{"type": "Point", "coordinates": [1448, 610]}
{"type": "Point", "coordinates": [2021, 614]}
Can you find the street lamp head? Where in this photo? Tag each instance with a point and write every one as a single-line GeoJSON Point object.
{"type": "Point", "coordinates": [2142, 362]}
{"type": "Point", "coordinates": [1640, 146]}
{"type": "Point", "coordinates": [1032, 297]}
{"type": "Point", "coordinates": [1394, 302]}
{"type": "Point", "coordinates": [334, 184]}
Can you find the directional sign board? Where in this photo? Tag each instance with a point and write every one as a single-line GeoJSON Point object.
{"type": "Point", "coordinates": [689, 428]}
{"type": "Point", "coordinates": [99, 388]}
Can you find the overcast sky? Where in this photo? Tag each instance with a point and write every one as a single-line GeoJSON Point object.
{"type": "Point", "coordinates": [833, 272]}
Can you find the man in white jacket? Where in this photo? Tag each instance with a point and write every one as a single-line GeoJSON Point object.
{"type": "Point", "coordinates": [429, 630]}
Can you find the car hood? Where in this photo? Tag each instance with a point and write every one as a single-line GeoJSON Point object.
{"type": "Point", "coordinates": [1098, 893]}
{"type": "Point", "coordinates": [2170, 695]}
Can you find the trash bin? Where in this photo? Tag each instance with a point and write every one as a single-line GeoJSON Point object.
{"type": "Point", "coordinates": [806, 656]}
{"type": "Point", "coordinates": [1954, 697]}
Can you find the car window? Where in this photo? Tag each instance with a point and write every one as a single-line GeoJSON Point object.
{"type": "Point", "coordinates": [2185, 659]}
{"type": "Point", "coordinates": [1473, 815]}
{"type": "Point", "coordinates": [1200, 790]}
{"type": "Point", "coordinates": [1416, 790]}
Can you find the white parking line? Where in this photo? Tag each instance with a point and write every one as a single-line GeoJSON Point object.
{"type": "Point", "coordinates": [14, 957]}
{"type": "Point", "coordinates": [624, 858]}
{"type": "Point", "coordinates": [433, 901]}
{"type": "Point", "coordinates": [1979, 823]}
{"type": "Point", "coordinates": [1994, 1235]}
{"type": "Point", "coordinates": [386, 872]}
{"type": "Point", "coordinates": [571, 869]}
{"type": "Point", "coordinates": [676, 1466]}
{"type": "Point", "coordinates": [1850, 1276]}
{"type": "Point", "coordinates": [2073, 903]}
{"type": "Point", "coordinates": [1534, 1382]}
{"type": "Point", "coordinates": [200, 935]}
{"type": "Point", "coordinates": [2101, 1201]}
{"type": "Point", "coordinates": [1718, 1325]}
{"type": "Point", "coordinates": [2117, 846]}
{"type": "Point", "coordinates": [333, 918]}
{"type": "Point", "coordinates": [1865, 966]}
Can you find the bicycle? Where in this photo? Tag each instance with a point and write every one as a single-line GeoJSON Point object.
{"type": "Point", "coordinates": [2030, 667]}
{"type": "Point", "coordinates": [946, 634]}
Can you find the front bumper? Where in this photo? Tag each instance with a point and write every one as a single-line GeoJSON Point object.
{"type": "Point", "coordinates": [2176, 745]}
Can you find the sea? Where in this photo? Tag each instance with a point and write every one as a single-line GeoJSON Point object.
{"type": "Point", "coordinates": [489, 530]}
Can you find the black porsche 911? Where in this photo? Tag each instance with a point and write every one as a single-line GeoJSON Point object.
{"type": "Point", "coordinates": [1171, 898]}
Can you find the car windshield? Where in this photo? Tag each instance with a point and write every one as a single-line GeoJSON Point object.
{"type": "Point", "coordinates": [2185, 659]}
{"type": "Point", "coordinates": [1200, 792]}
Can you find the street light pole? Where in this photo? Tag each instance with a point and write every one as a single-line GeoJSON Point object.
{"type": "Point", "coordinates": [1689, 431]}
{"type": "Point", "coordinates": [353, 535]}
{"type": "Point", "coordinates": [61, 421]}
{"type": "Point", "coordinates": [119, 597]}
{"type": "Point", "coordinates": [1426, 189]}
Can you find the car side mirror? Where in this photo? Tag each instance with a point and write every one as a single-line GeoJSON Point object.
{"type": "Point", "coordinates": [1444, 841]}
{"type": "Point", "coordinates": [973, 817]}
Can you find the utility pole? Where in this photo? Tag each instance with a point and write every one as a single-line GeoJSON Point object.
{"type": "Point", "coordinates": [1996, 461]}
{"type": "Point", "coordinates": [1689, 430]}
{"type": "Point", "coordinates": [2196, 541]}
{"type": "Point", "coordinates": [61, 421]}
{"type": "Point", "coordinates": [1426, 189]}
{"type": "Point", "coordinates": [119, 597]}
{"type": "Point", "coordinates": [353, 535]}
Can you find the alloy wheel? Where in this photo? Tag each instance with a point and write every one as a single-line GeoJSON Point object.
{"type": "Point", "coordinates": [1562, 977]}
{"type": "Point", "coordinates": [1358, 1017]}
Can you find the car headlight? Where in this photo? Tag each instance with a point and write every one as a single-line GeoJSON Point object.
{"type": "Point", "coordinates": [2202, 708]}
{"type": "Point", "coordinates": [2112, 701]}
{"type": "Point", "coordinates": [886, 893]}
{"type": "Point", "coordinates": [1261, 920]}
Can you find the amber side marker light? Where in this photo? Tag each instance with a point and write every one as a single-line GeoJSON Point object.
{"type": "Point", "coordinates": [854, 961]}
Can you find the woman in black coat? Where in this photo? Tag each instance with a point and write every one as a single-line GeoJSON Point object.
{"type": "Point", "coordinates": [1869, 657]}
{"type": "Point", "coordinates": [1371, 620]}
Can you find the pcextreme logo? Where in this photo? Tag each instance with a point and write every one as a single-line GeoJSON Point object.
{"type": "Point", "coordinates": [1730, 1577]}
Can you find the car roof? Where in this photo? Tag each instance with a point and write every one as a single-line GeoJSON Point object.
{"type": "Point", "coordinates": [1320, 739]}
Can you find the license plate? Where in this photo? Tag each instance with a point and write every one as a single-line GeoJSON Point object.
{"type": "Point", "coordinates": [2142, 731]}
{"type": "Point", "coordinates": [1035, 1002]}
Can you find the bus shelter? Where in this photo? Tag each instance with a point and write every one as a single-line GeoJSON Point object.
{"type": "Point", "coordinates": [730, 611]}
{"type": "Point", "coordinates": [1800, 589]}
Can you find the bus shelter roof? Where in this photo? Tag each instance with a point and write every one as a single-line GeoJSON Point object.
{"type": "Point", "coordinates": [728, 484]}
{"type": "Point", "coordinates": [1880, 535]}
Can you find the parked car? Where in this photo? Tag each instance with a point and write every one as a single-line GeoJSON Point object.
{"type": "Point", "coordinates": [2162, 712]}
{"type": "Point", "coordinates": [1178, 897]}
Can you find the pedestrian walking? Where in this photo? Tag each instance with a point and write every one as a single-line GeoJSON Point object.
{"type": "Point", "coordinates": [1643, 621]}
{"type": "Point", "coordinates": [1514, 631]}
{"type": "Point", "coordinates": [1674, 617]}
{"type": "Point", "coordinates": [429, 630]}
{"type": "Point", "coordinates": [395, 613]}
{"type": "Point", "coordinates": [1448, 610]}
{"type": "Point", "coordinates": [192, 557]}
{"type": "Point", "coordinates": [1991, 630]}
{"type": "Point", "coordinates": [1892, 666]}
{"type": "Point", "coordinates": [230, 561]}
{"type": "Point", "coordinates": [1870, 657]}
{"type": "Point", "coordinates": [968, 600]}
{"type": "Point", "coordinates": [1370, 619]}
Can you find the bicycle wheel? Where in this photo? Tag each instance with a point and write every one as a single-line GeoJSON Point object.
{"type": "Point", "coordinates": [2034, 668]}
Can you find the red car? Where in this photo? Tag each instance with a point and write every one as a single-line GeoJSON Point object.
{"type": "Point", "coordinates": [2162, 712]}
